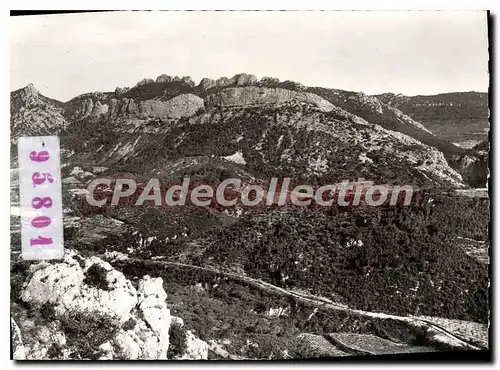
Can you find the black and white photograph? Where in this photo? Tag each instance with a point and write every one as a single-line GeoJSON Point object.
{"type": "Point", "coordinates": [250, 185]}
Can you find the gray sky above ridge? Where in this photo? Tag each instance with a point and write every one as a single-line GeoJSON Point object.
{"type": "Point", "coordinates": [402, 52]}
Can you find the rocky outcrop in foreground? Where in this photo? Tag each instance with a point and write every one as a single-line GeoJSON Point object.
{"type": "Point", "coordinates": [89, 310]}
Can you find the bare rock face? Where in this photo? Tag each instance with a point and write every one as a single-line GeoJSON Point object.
{"type": "Point", "coordinates": [30, 92]}
{"type": "Point", "coordinates": [252, 96]}
{"type": "Point", "coordinates": [86, 288]}
{"type": "Point", "coordinates": [164, 78]}
{"type": "Point", "coordinates": [197, 349]}
{"type": "Point", "coordinates": [188, 80]}
{"type": "Point", "coordinates": [223, 81]}
{"type": "Point", "coordinates": [207, 83]}
{"type": "Point", "coordinates": [89, 108]}
{"type": "Point", "coordinates": [86, 108]}
{"type": "Point", "coordinates": [18, 351]}
{"type": "Point", "coordinates": [183, 105]}
{"type": "Point", "coordinates": [63, 285]}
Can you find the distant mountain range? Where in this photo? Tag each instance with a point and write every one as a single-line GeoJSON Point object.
{"type": "Point", "coordinates": [460, 117]}
{"type": "Point", "coordinates": [309, 132]}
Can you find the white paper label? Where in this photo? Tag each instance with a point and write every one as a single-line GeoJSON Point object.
{"type": "Point", "coordinates": [40, 198]}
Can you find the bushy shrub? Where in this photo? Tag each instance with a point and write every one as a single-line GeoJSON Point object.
{"type": "Point", "coordinates": [47, 311]}
{"type": "Point", "coordinates": [86, 331]}
{"type": "Point", "coordinates": [129, 324]}
{"type": "Point", "coordinates": [96, 277]}
{"type": "Point", "coordinates": [177, 342]}
{"type": "Point", "coordinates": [54, 351]}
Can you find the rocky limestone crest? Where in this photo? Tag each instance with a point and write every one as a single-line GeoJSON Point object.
{"type": "Point", "coordinates": [252, 95]}
{"type": "Point", "coordinates": [87, 288]}
{"type": "Point", "coordinates": [164, 78]}
{"type": "Point", "coordinates": [269, 80]}
{"type": "Point", "coordinates": [241, 79]}
{"type": "Point", "coordinates": [244, 79]}
{"type": "Point", "coordinates": [183, 105]}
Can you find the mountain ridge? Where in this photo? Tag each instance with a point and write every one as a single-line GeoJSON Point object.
{"type": "Point", "coordinates": [167, 99]}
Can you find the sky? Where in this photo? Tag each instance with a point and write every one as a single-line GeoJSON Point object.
{"type": "Point", "coordinates": [419, 52]}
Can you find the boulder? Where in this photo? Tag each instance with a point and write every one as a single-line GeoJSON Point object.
{"type": "Point", "coordinates": [183, 105]}
{"type": "Point", "coordinates": [99, 109]}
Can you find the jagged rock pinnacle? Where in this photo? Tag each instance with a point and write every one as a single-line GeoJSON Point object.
{"type": "Point", "coordinates": [30, 90]}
